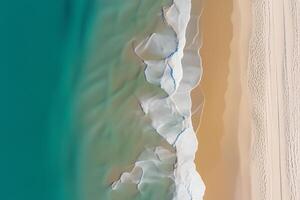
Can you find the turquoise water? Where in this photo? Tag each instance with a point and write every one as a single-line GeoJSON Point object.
{"type": "Point", "coordinates": [70, 87]}
{"type": "Point", "coordinates": [31, 38]}
{"type": "Point", "coordinates": [103, 129]}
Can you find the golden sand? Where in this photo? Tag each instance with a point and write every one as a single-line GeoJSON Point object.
{"type": "Point", "coordinates": [225, 114]}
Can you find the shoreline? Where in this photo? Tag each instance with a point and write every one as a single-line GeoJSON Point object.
{"type": "Point", "coordinates": [243, 12]}
{"type": "Point", "coordinates": [238, 84]}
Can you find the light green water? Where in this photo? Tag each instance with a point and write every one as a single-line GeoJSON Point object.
{"type": "Point", "coordinates": [98, 127]}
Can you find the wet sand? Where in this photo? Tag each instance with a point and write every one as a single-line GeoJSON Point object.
{"type": "Point", "coordinates": [224, 129]}
{"type": "Point", "coordinates": [215, 52]}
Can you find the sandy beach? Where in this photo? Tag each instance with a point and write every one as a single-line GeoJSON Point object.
{"type": "Point", "coordinates": [224, 130]}
{"type": "Point", "coordinates": [249, 130]}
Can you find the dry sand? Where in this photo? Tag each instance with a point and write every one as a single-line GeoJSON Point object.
{"type": "Point", "coordinates": [274, 71]}
{"type": "Point", "coordinates": [224, 129]}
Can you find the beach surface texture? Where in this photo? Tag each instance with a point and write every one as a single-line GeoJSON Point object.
{"type": "Point", "coordinates": [274, 73]}
{"type": "Point", "coordinates": [249, 142]}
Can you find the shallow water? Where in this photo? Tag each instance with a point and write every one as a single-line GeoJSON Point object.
{"type": "Point", "coordinates": [94, 109]}
{"type": "Point", "coordinates": [118, 127]}
{"type": "Point", "coordinates": [103, 85]}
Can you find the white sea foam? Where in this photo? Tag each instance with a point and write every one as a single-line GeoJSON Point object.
{"type": "Point", "coordinates": [172, 62]}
